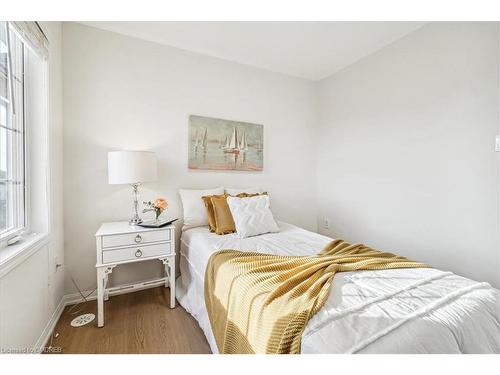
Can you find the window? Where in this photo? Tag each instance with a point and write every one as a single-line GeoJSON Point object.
{"type": "Point", "coordinates": [13, 207]}
{"type": "Point", "coordinates": [24, 156]}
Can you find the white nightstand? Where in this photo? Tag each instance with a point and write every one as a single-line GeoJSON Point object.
{"type": "Point", "coordinates": [120, 243]}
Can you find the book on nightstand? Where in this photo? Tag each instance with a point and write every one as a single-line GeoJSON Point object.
{"type": "Point", "coordinates": [153, 223]}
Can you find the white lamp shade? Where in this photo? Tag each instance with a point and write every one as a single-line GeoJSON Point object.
{"type": "Point", "coordinates": [131, 167]}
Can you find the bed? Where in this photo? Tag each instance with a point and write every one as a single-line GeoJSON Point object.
{"type": "Point", "coordinates": [420, 310]}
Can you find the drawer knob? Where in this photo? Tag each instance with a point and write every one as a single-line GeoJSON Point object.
{"type": "Point", "coordinates": [138, 253]}
{"type": "Point", "coordinates": [138, 238]}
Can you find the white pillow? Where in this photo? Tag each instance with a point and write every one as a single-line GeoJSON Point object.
{"type": "Point", "coordinates": [250, 190]}
{"type": "Point", "coordinates": [195, 213]}
{"type": "Point", "coordinates": [252, 216]}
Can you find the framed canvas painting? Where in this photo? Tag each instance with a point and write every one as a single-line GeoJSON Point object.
{"type": "Point", "coordinates": [219, 144]}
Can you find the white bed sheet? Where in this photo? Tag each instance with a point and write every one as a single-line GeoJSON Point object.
{"type": "Point", "coordinates": [388, 311]}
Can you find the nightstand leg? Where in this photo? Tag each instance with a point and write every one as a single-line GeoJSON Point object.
{"type": "Point", "coordinates": [171, 280]}
{"type": "Point", "coordinates": [106, 293]}
{"type": "Point", "coordinates": [100, 297]}
{"type": "Point", "coordinates": [166, 265]}
{"type": "Point", "coordinates": [167, 272]}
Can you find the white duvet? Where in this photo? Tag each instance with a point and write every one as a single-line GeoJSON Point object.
{"type": "Point", "coordinates": [390, 311]}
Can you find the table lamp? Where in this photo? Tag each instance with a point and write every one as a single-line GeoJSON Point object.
{"type": "Point", "coordinates": [132, 168]}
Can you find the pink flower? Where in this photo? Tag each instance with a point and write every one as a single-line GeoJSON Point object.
{"type": "Point", "coordinates": [161, 203]}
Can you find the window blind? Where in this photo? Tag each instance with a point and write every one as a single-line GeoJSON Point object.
{"type": "Point", "coordinates": [33, 36]}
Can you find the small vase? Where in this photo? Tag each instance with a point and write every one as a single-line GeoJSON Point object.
{"type": "Point", "coordinates": [157, 215]}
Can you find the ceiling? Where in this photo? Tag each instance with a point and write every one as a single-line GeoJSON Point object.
{"type": "Point", "coordinates": [310, 50]}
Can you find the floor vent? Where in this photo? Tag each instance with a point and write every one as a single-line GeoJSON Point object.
{"type": "Point", "coordinates": [82, 320]}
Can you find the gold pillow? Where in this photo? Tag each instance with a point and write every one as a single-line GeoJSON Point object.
{"type": "Point", "coordinates": [210, 211]}
{"type": "Point", "coordinates": [224, 223]}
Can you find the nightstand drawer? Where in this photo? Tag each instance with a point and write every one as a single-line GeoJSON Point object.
{"type": "Point", "coordinates": [135, 239]}
{"type": "Point", "coordinates": [134, 253]}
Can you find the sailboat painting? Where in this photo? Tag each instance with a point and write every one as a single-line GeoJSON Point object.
{"type": "Point", "coordinates": [225, 145]}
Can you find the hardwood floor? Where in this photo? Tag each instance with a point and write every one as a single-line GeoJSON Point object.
{"type": "Point", "coordinates": [139, 322]}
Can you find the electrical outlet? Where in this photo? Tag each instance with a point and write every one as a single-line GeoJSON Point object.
{"type": "Point", "coordinates": [56, 263]}
{"type": "Point", "coordinates": [326, 223]}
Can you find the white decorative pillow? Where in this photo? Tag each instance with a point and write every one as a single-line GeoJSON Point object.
{"type": "Point", "coordinates": [252, 216]}
{"type": "Point", "coordinates": [195, 213]}
{"type": "Point", "coordinates": [250, 190]}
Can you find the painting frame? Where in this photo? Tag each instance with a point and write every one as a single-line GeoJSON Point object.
{"type": "Point", "coordinates": [225, 145]}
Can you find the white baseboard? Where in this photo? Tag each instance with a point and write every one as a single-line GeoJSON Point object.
{"type": "Point", "coordinates": [44, 338]}
{"type": "Point", "coordinates": [71, 299]}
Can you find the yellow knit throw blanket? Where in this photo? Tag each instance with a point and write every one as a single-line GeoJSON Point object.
{"type": "Point", "coordinates": [260, 303]}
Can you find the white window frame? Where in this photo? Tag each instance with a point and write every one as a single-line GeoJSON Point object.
{"type": "Point", "coordinates": [20, 155]}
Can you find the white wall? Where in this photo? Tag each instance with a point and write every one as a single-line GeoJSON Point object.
{"type": "Point", "coordinates": [31, 291]}
{"type": "Point", "coordinates": [405, 155]}
{"type": "Point", "coordinates": [125, 93]}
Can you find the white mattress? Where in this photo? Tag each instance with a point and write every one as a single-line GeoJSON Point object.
{"type": "Point", "coordinates": [389, 311]}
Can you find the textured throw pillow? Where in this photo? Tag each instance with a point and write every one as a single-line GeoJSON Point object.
{"type": "Point", "coordinates": [207, 200]}
{"type": "Point", "coordinates": [195, 214]}
{"type": "Point", "coordinates": [248, 195]}
{"type": "Point", "coordinates": [252, 216]}
{"type": "Point", "coordinates": [224, 223]}
{"type": "Point", "coordinates": [249, 190]}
